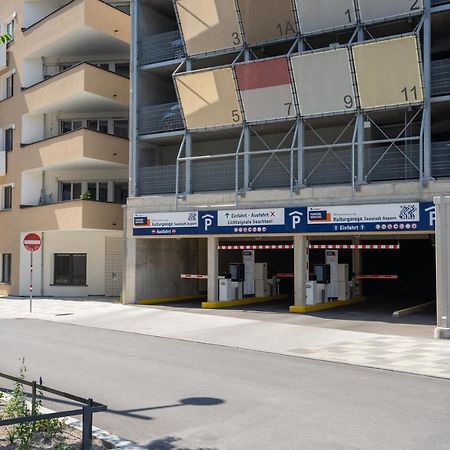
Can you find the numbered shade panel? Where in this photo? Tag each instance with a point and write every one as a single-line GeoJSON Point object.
{"type": "Point", "coordinates": [267, 20]}
{"type": "Point", "coordinates": [388, 72]}
{"type": "Point", "coordinates": [208, 25]}
{"type": "Point", "coordinates": [317, 15]}
{"type": "Point", "coordinates": [266, 90]}
{"type": "Point", "coordinates": [380, 9]}
{"type": "Point", "coordinates": [323, 82]}
{"type": "Point", "coordinates": [209, 98]}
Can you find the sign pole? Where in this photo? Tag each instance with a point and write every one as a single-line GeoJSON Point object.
{"type": "Point", "coordinates": [31, 282]}
{"type": "Point", "coordinates": [32, 242]}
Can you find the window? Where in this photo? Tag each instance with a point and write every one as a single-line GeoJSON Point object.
{"type": "Point", "coordinates": [121, 128]}
{"type": "Point", "coordinates": [102, 192]}
{"type": "Point", "coordinates": [9, 139]}
{"type": "Point", "coordinates": [123, 69]}
{"type": "Point", "coordinates": [6, 268]}
{"type": "Point", "coordinates": [98, 190]}
{"type": "Point", "coordinates": [98, 125]}
{"type": "Point", "coordinates": [10, 29]}
{"type": "Point", "coordinates": [104, 66]}
{"type": "Point", "coordinates": [70, 125]}
{"type": "Point", "coordinates": [65, 66]}
{"type": "Point", "coordinates": [6, 197]}
{"type": "Point", "coordinates": [70, 191]}
{"type": "Point", "coordinates": [70, 269]}
{"type": "Point", "coordinates": [9, 88]}
{"type": "Point", "coordinates": [120, 192]}
{"type": "Point", "coordinates": [123, 5]}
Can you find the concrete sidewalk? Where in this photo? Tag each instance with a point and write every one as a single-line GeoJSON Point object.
{"type": "Point", "coordinates": [398, 353]}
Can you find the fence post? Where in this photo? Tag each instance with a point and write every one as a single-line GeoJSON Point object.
{"type": "Point", "coordinates": [33, 398]}
{"type": "Point", "coordinates": [87, 426]}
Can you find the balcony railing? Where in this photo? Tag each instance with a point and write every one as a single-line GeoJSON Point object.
{"type": "Point", "coordinates": [389, 165]}
{"type": "Point", "coordinates": [159, 180]}
{"type": "Point", "coordinates": [321, 169]}
{"type": "Point", "coordinates": [440, 159]}
{"type": "Point", "coordinates": [440, 77]}
{"type": "Point", "coordinates": [160, 118]}
{"type": "Point", "coordinates": [161, 47]}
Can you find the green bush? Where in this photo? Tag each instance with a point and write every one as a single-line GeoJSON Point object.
{"type": "Point", "coordinates": [23, 434]}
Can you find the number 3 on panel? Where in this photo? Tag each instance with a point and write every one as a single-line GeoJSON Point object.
{"type": "Point", "coordinates": [236, 38]}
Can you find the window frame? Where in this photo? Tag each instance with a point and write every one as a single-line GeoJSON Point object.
{"type": "Point", "coordinates": [6, 200]}
{"type": "Point", "coordinates": [71, 281]}
{"type": "Point", "coordinates": [6, 140]}
{"type": "Point", "coordinates": [9, 86]}
{"type": "Point", "coordinates": [6, 257]}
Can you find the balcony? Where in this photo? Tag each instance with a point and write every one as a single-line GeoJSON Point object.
{"type": "Point", "coordinates": [74, 215]}
{"type": "Point", "coordinates": [160, 48]}
{"type": "Point", "coordinates": [81, 88]}
{"type": "Point", "coordinates": [160, 119]}
{"type": "Point", "coordinates": [81, 27]}
{"type": "Point", "coordinates": [440, 77]}
{"type": "Point", "coordinates": [81, 148]}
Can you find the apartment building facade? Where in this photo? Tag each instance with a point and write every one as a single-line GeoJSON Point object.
{"type": "Point", "coordinates": [64, 145]}
{"type": "Point", "coordinates": [286, 127]}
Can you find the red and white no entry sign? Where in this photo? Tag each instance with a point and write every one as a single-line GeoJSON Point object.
{"type": "Point", "coordinates": [32, 242]}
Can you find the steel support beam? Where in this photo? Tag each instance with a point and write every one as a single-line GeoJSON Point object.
{"type": "Point", "coordinates": [300, 139]}
{"type": "Point", "coordinates": [360, 137]}
{"type": "Point", "coordinates": [247, 140]}
{"type": "Point", "coordinates": [188, 149]}
{"type": "Point", "coordinates": [134, 73]}
{"type": "Point", "coordinates": [427, 91]}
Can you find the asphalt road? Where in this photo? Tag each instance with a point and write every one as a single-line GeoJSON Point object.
{"type": "Point", "coordinates": [171, 394]}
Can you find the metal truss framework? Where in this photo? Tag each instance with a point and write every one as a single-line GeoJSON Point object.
{"type": "Point", "coordinates": [298, 175]}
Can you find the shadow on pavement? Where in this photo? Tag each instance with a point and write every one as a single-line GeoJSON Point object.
{"type": "Point", "coordinates": [169, 443]}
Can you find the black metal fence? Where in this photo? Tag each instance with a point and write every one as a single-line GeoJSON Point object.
{"type": "Point", "coordinates": [87, 408]}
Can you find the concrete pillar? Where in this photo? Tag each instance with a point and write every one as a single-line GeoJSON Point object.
{"type": "Point", "coordinates": [213, 269]}
{"type": "Point", "coordinates": [202, 264]}
{"type": "Point", "coordinates": [300, 269]}
{"type": "Point", "coordinates": [442, 330]}
{"type": "Point", "coordinates": [357, 270]}
{"type": "Point", "coordinates": [129, 274]}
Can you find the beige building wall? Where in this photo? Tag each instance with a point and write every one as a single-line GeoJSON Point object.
{"type": "Point", "coordinates": [99, 22]}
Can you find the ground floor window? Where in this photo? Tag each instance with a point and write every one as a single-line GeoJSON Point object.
{"type": "Point", "coordinates": [6, 268]}
{"type": "Point", "coordinates": [70, 269]}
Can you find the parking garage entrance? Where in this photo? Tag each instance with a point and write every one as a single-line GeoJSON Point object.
{"type": "Point", "coordinates": [394, 274]}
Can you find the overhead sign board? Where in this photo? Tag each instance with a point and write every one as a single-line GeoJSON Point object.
{"type": "Point", "coordinates": [399, 217]}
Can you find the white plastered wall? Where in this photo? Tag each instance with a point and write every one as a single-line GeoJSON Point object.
{"type": "Point", "coordinates": [90, 242]}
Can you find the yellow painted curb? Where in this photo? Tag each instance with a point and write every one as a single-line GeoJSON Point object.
{"type": "Point", "coordinates": [157, 301]}
{"type": "Point", "coordinates": [324, 306]}
{"type": "Point", "coordinates": [242, 301]}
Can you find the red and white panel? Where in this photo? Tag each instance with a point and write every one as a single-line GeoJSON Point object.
{"type": "Point", "coordinates": [355, 246]}
{"type": "Point", "coordinates": [256, 247]}
{"type": "Point", "coordinates": [376, 277]}
{"type": "Point", "coordinates": [266, 90]}
{"type": "Point", "coordinates": [189, 276]}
